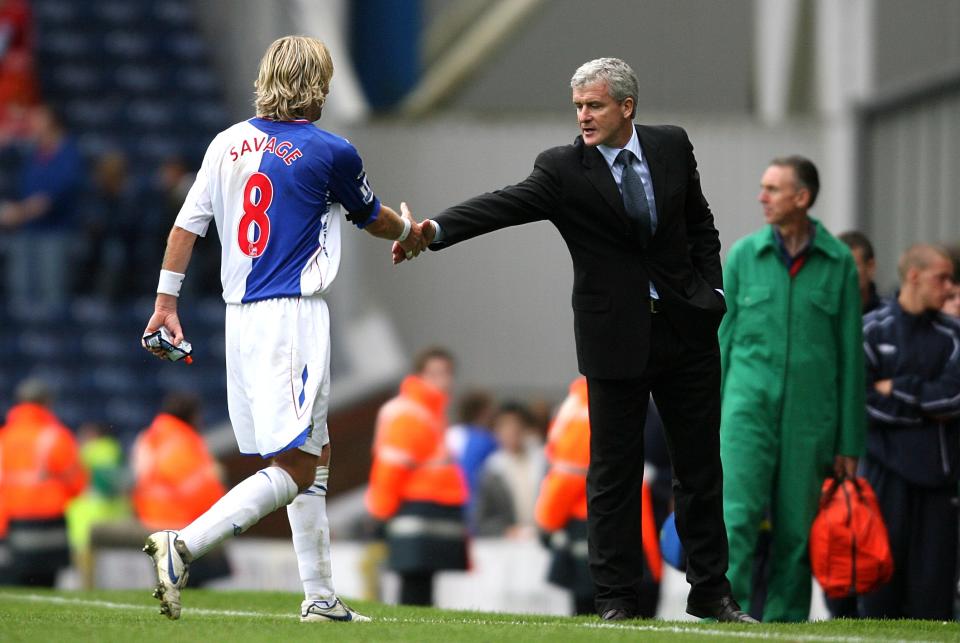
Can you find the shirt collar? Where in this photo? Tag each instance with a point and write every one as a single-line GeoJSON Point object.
{"type": "Point", "coordinates": [610, 153]}
{"type": "Point", "coordinates": [781, 246]}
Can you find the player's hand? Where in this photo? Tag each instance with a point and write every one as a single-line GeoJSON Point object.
{"type": "Point", "coordinates": [413, 244]}
{"type": "Point", "coordinates": [164, 314]}
{"type": "Point", "coordinates": [429, 231]}
{"type": "Point", "coordinates": [884, 387]}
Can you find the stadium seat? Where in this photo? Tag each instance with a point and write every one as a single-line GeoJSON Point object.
{"type": "Point", "coordinates": [78, 78]}
{"type": "Point", "coordinates": [40, 344]}
{"type": "Point", "coordinates": [186, 47]}
{"type": "Point", "coordinates": [119, 13]}
{"type": "Point", "coordinates": [66, 44]}
{"type": "Point", "coordinates": [173, 13]}
{"type": "Point", "coordinates": [127, 45]}
{"type": "Point", "coordinates": [92, 310]}
{"type": "Point", "coordinates": [131, 415]}
{"type": "Point", "coordinates": [55, 11]}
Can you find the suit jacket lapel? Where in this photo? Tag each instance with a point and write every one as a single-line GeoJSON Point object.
{"type": "Point", "coordinates": [598, 173]}
{"type": "Point", "coordinates": [658, 168]}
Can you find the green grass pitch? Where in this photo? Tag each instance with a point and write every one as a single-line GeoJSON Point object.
{"type": "Point", "coordinates": [238, 617]}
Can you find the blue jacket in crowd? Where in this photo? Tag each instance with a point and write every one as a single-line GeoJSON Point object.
{"type": "Point", "coordinates": [915, 431]}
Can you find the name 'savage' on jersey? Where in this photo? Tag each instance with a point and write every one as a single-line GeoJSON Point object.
{"type": "Point", "coordinates": [276, 190]}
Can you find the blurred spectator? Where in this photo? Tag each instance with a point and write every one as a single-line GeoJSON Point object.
{"type": "Point", "coordinates": [507, 491]}
{"type": "Point", "coordinates": [18, 84]}
{"type": "Point", "coordinates": [471, 442]}
{"type": "Point", "coordinates": [111, 232]}
{"type": "Point", "coordinates": [6, 575]}
{"type": "Point", "coordinates": [561, 509]}
{"type": "Point", "coordinates": [105, 497]}
{"type": "Point", "coordinates": [793, 319]}
{"type": "Point", "coordinates": [951, 306]}
{"type": "Point", "coordinates": [862, 251]}
{"type": "Point", "coordinates": [39, 474]}
{"type": "Point", "coordinates": [863, 257]}
{"type": "Point", "coordinates": [415, 487]}
{"type": "Point", "coordinates": [913, 446]}
{"type": "Point", "coordinates": [40, 221]}
{"type": "Point", "coordinates": [542, 411]}
{"type": "Point", "coordinates": [176, 479]}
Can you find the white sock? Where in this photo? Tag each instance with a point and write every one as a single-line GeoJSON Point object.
{"type": "Point", "coordinates": [311, 538]}
{"type": "Point", "coordinates": [239, 509]}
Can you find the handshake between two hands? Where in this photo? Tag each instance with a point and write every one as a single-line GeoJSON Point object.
{"type": "Point", "coordinates": [420, 236]}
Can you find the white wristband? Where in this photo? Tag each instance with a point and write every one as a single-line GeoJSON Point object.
{"type": "Point", "coordinates": [170, 283]}
{"type": "Point", "coordinates": [406, 230]}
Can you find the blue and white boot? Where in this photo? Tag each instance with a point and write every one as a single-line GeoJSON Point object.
{"type": "Point", "coordinates": [312, 610]}
{"type": "Point", "coordinates": [172, 563]}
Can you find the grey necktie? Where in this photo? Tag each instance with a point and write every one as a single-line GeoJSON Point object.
{"type": "Point", "coordinates": [634, 197]}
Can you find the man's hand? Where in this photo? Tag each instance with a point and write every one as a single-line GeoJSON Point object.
{"type": "Point", "coordinates": [845, 467]}
{"type": "Point", "coordinates": [164, 314]}
{"type": "Point", "coordinates": [884, 387]}
{"type": "Point", "coordinates": [413, 245]}
{"type": "Point", "coordinates": [428, 231]}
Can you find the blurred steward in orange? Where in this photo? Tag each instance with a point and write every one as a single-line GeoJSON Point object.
{"type": "Point", "coordinates": [40, 472]}
{"type": "Point", "coordinates": [561, 510]}
{"type": "Point", "coordinates": [176, 478]}
{"type": "Point", "coordinates": [415, 486]}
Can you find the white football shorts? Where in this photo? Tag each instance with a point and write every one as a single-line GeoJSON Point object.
{"type": "Point", "coordinates": [278, 374]}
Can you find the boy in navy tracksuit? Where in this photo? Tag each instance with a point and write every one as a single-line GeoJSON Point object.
{"type": "Point", "coordinates": [913, 445]}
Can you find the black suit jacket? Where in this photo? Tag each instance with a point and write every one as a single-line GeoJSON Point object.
{"type": "Point", "coordinates": [573, 188]}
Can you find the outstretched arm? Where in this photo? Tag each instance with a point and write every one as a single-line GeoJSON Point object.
{"type": "Point", "coordinates": [175, 261]}
{"type": "Point", "coordinates": [534, 199]}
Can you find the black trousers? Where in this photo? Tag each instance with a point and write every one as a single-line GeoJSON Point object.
{"type": "Point", "coordinates": [922, 527]}
{"type": "Point", "coordinates": [416, 588]}
{"type": "Point", "coordinates": [684, 378]}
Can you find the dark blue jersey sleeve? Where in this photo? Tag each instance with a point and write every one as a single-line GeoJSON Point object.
{"type": "Point", "coordinates": [351, 188]}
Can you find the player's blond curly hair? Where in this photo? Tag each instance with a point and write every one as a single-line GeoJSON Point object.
{"type": "Point", "coordinates": [294, 78]}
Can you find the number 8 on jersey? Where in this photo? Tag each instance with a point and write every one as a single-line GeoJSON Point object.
{"type": "Point", "coordinates": [253, 233]}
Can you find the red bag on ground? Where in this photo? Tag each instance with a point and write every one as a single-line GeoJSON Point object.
{"type": "Point", "coordinates": [849, 549]}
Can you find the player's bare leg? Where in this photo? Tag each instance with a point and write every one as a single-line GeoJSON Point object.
{"type": "Point", "coordinates": [311, 537]}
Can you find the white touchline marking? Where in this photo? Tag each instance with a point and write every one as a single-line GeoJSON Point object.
{"type": "Point", "coordinates": [63, 600]}
{"type": "Point", "coordinates": [666, 629]}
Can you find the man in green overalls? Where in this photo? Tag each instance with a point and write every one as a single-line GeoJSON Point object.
{"type": "Point", "coordinates": [793, 383]}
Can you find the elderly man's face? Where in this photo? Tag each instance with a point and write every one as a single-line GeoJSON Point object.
{"type": "Point", "coordinates": [603, 121]}
{"type": "Point", "coordinates": [781, 198]}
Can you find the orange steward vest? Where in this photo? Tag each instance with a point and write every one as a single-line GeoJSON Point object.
{"type": "Point", "coordinates": [563, 492]}
{"type": "Point", "coordinates": [410, 457]}
{"type": "Point", "coordinates": [176, 478]}
{"type": "Point", "coordinates": [40, 468]}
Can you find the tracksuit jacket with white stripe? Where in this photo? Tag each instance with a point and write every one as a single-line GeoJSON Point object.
{"type": "Point", "coordinates": [916, 430]}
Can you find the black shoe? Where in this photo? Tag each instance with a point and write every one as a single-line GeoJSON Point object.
{"type": "Point", "coordinates": [615, 614]}
{"type": "Point", "coordinates": [724, 610]}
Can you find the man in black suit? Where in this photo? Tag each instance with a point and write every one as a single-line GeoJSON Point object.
{"type": "Point", "coordinates": [647, 302]}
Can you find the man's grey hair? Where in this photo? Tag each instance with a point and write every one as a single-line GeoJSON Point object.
{"type": "Point", "coordinates": [618, 75]}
